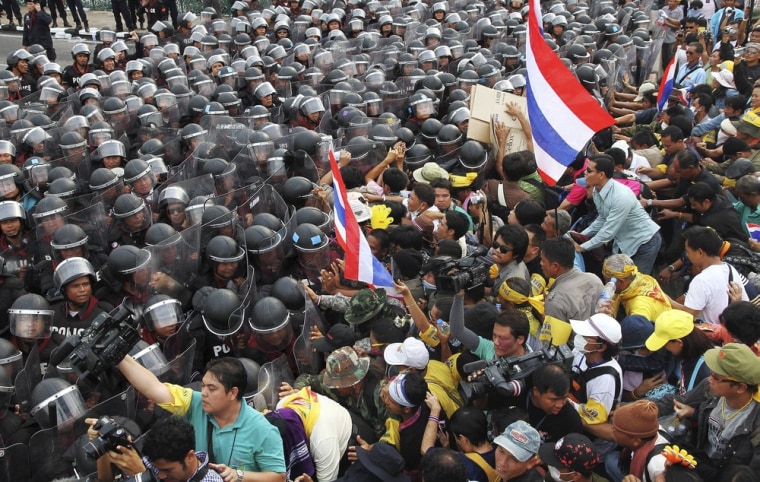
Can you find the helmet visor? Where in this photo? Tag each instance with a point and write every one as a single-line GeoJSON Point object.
{"type": "Point", "coordinates": [30, 325]}
{"type": "Point", "coordinates": [163, 314]}
{"type": "Point", "coordinates": [64, 406]}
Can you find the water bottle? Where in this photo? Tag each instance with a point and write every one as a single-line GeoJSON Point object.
{"type": "Point", "coordinates": [498, 307]}
{"type": "Point", "coordinates": [443, 326]}
{"type": "Point", "coordinates": [605, 299]}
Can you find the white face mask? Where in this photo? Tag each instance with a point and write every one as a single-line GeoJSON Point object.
{"type": "Point", "coordinates": [580, 344]}
{"type": "Point", "coordinates": [428, 285]}
{"type": "Point", "coordinates": [555, 474]}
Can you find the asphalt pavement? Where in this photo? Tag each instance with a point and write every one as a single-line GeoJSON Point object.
{"type": "Point", "coordinates": [63, 39]}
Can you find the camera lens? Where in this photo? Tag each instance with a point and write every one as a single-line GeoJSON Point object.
{"type": "Point", "coordinates": [96, 448]}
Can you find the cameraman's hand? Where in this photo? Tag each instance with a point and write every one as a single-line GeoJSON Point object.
{"type": "Point", "coordinates": [127, 460]}
{"type": "Point", "coordinates": [92, 434]}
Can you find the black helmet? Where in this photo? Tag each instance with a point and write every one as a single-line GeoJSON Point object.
{"type": "Point", "coordinates": [102, 178]}
{"type": "Point", "coordinates": [26, 312]}
{"type": "Point", "coordinates": [56, 401]}
{"type": "Point", "coordinates": [406, 135]}
{"type": "Point", "coordinates": [127, 205]}
{"type": "Point", "coordinates": [308, 237]}
{"type": "Point", "coordinates": [173, 194]}
{"type": "Point", "coordinates": [290, 292]}
{"type": "Point", "coordinates": [417, 155]}
{"type": "Point", "coordinates": [161, 311]}
{"type": "Point", "coordinates": [223, 249]}
{"type": "Point", "coordinates": [49, 206]}
{"type": "Point", "coordinates": [315, 216]}
{"type": "Point", "coordinates": [296, 189]}
{"type": "Point", "coordinates": [160, 234]}
{"type": "Point", "coordinates": [448, 134]}
{"type": "Point", "coordinates": [252, 370]}
{"type": "Point", "coordinates": [269, 315]}
{"type": "Point", "coordinates": [269, 220]}
{"type": "Point", "coordinates": [69, 236]}
{"type": "Point", "coordinates": [577, 53]}
{"type": "Point", "coordinates": [259, 239]}
{"type": "Point", "coordinates": [472, 155]}
{"type": "Point", "coordinates": [216, 217]}
{"type": "Point", "coordinates": [222, 315]}
{"type": "Point", "coordinates": [63, 187]}
{"type": "Point", "coordinates": [308, 142]}
{"type": "Point", "coordinates": [126, 260]}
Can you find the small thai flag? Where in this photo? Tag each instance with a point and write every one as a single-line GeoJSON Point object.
{"type": "Point", "coordinates": [754, 231]}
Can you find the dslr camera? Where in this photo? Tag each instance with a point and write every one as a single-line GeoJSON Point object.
{"type": "Point", "coordinates": [507, 375]}
{"type": "Point", "coordinates": [454, 275]}
{"type": "Point", "coordinates": [111, 436]}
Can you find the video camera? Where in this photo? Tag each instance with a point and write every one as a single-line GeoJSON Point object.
{"type": "Point", "coordinates": [101, 346]}
{"type": "Point", "coordinates": [507, 375]}
{"type": "Point", "coordinates": [454, 275]}
{"type": "Point", "coordinates": [111, 435]}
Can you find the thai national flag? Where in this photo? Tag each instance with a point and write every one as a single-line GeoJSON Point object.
{"type": "Point", "coordinates": [754, 231]}
{"type": "Point", "coordinates": [361, 265]}
{"type": "Point", "coordinates": [666, 85]}
{"type": "Point", "coordinates": [563, 115]}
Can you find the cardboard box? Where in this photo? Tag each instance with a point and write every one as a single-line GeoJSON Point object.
{"type": "Point", "coordinates": [487, 105]}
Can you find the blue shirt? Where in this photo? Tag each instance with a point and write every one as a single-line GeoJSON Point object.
{"type": "Point", "coordinates": [621, 219]}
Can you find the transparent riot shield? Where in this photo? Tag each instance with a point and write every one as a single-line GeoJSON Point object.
{"type": "Point", "coordinates": [179, 256]}
{"type": "Point", "coordinates": [194, 187]}
{"type": "Point", "coordinates": [94, 222]}
{"type": "Point", "coordinates": [271, 376]}
{"type": "Point", "coordinates": [267, 200]}
{"type": "Point", "coordinates": [27, 379]}
{"type": "Point", "coordinates": [15, 463]}
{"type": "Point", "coordinates": [179, 371]}
{"type": "Point", "coordinates": [47, 447]}
{"type": "Point", "coordinates": [307, 358]}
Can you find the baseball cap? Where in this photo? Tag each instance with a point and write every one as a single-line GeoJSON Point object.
{"type": "Point", "coordinates": [670, 325]}
{"type": "Point", "coordinates": [636, 329]}
{"type": "Point", "coordinates": [574, 451]}
{"type": "Point", "coordinates": [337, 336]}
{"type": "Point", "coordinates": [643, 89]}
{"type": "Point", "coordinates": [520, 439]}
{"type": "Point", "coordinates": [735, 361]}
{"type": "Point", "coordinates": [749, 124]}
{"type": "Point", "coordinates": [740, 167]}
{"type": "Point", "coordinates": [599, 325]}
{"type": "Point", "coordinates": [411, 353]}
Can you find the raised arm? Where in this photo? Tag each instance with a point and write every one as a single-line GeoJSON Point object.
{"type": "Point", "coordinates": [144, 381]}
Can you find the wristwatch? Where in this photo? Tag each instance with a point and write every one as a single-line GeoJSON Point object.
{"type": "Point", "coordinates": [240, 475]}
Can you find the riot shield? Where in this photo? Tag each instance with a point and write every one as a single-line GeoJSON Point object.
{"type": "Point", "coordinates": [307, 358]}
{"type": "Point", "coordinates": [15, 463]}
{"type": "Point", "coordinates": [179, 371]}
{"type": "Point", "coordinates": [47, 447]}
{"type": "Point", "coordinates": [27, 379]}
{"type": "Point", "coordinates": [197, 186]}
{"type": "Point", "coordinates": [93, 221]}
{"type": "Point", "coordinates": [271, 376]}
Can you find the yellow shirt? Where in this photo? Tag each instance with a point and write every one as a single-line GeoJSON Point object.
{"type": "Point", "coordinates": [642, 297]}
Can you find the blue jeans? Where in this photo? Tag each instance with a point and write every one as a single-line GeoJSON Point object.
{"type": "Point", "coordinates": [647, 254]}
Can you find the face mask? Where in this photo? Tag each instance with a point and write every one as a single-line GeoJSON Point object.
{"type": "Point", "coordinates": [693, 109]}
{"type": "Point", "coordinates": [663, 125]}
{"type": "Point", "coordinates": [580, 344]}
{"type": "Point", "coordinates": [428, 286]}
{"type": "Point", "coordinates": [555, 474]}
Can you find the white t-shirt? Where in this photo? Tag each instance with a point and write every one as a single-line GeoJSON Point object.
{"type": "Point", "coordinates": [708, 292]}
{"type": "Point", "coordinates": [329, 438]}
{"type": "Point", "coordinates": [637, 160]}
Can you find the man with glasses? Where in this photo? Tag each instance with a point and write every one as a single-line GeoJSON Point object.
{"type": "Point", "coordinates": [621, 218]}
{"type": "Point", "coordinates": [729, 420]}
{"type": "Point", "coordinates": [691, 73]}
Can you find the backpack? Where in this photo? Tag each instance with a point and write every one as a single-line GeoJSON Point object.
{"type": "Point", "coordinates": [553, 195]}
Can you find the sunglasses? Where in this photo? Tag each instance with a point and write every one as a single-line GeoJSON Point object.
{"type": "Point", "coordinates": [503, 249]}
{"type": "Point", "coordinates": [589, 170]}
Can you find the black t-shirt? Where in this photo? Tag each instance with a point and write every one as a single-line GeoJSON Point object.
{"type": "Point", "coordinates": [703, 176]}
{"type": "Point", "coordinates": [551, 427]}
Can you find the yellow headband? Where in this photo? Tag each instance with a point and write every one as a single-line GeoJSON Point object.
{"type": "Point", "coordinates": [517, 298]}
{"type": "Point", "coordinates": [628, 271]}
{"type": "Point", "coordinates": [463, 181]}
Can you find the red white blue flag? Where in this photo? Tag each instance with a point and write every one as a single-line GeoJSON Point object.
{"type": "Point", "coordinates": [666, 85]}
{"type": "Point", "coordinates": [563, 115]}
{"type": "Point", "coordinates": [754, 231]}
{"type": "Point", "coordinates": [360, 264]}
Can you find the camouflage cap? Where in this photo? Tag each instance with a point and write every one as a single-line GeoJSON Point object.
{"type": "Point", "coordinates": [344, 368]}
{"type": "Point", "coordinates": [365, 305]}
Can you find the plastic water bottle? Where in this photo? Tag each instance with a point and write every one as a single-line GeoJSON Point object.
{"type": "Point", "coordinates": [443, 326]}
{"type": "Point", "coordinates": [605, 299]}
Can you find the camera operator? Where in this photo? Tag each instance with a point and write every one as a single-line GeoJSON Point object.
{"type": "Point", "coordinates": [125, 458]}
{"type": "Point", "coordinates": [243, 446]}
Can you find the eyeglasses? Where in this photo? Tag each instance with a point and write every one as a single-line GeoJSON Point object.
{"type": "Point", "coordinates": [752, 51]}
{"type": "Point", "coordinates": [503, 249]}
{"type": "Point", "coordinates": [718, 379]}
{"type": "Point", "coordinates": [690, 52]}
